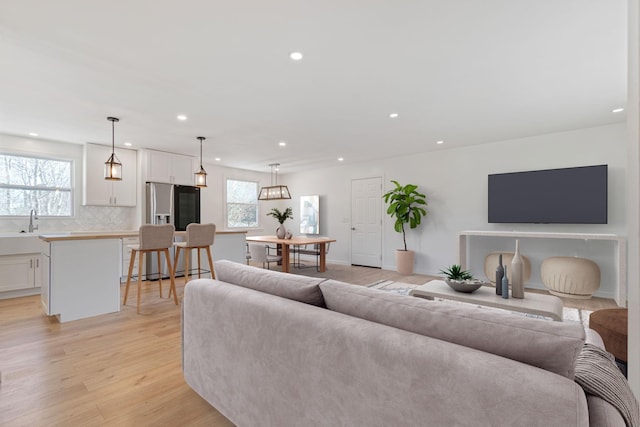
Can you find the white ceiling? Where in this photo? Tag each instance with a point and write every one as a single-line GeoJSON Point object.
{"type": "Point", "coordinates": [464, 71]}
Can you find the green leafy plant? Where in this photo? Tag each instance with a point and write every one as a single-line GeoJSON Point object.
{"type": "Point", "coordinates": [281, 216]}
{"type": "Point", "coordinates": [455, 272]}
{"type": "Point", "coordinates": [405, 204]}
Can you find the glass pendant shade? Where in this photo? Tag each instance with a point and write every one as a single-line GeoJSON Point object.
{"type": "Point", "coordinates": [113, 167]}
{"type": "Point", "coordinates": [274, 192]}
{"type": "Point", "coordinates": [201, 175]}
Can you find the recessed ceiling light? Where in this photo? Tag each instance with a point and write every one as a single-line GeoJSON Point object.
{"type": "Point", "coordinates": [617, 110]}
{"type": "Point", "coordinates": [439, 142]}
{"type": "Point", "coordinates": [181, 117]}
{"type": "Point", "coordinates": [340, 159]}
{"type": "Point", "coordinates": [33, 134]}
{"type": "Point", "coordinates": [393, 115]}
{"type": "Point", "coordinates": [218, 159]}
{"type": "Point", "coordinates": [296, 56]}
{"type": "Point", "coordinates": [282, 143]}
{"type": "Point", "coordinates": [128, 144]}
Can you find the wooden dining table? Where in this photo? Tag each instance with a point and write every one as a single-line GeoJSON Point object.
{"type": "Point", "coordinates": [286, 244]}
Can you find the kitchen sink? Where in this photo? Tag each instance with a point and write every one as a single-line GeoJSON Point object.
{"type": "Point", "coordinates": [15, 243]}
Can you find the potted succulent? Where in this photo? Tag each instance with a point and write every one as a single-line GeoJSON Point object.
{"type": "Point", "coordinates": [460, 280]}
{"type": "Point", "coordinates": [406, 205]}
{"type": "Point", "coordinates": [455, 272]}
{"type": "Point", "coordinates": [281, 231]}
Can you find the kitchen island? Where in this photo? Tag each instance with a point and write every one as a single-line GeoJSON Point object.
{"type": "Point", "coordinates": [81, 271]}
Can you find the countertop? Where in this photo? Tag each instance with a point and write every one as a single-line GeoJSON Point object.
{"type": "Point", "coordinates": [89, 235]}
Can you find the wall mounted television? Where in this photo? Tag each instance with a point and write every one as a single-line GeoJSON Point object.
{"type": "Point", "coordinates": [576, 195]}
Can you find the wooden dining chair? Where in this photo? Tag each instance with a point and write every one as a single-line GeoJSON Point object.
{"type": "Point", "coordinates": [153, 238]}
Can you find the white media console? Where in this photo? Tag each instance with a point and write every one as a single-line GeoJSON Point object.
{"type": "Point", "coordinates": [609, 251]}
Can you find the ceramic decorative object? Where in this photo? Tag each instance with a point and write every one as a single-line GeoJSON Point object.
{"type": "Point", "coordinates": [499, 275]}
{"type": "Point", "coordinates": [491, 263]}
{"type": "Point", "coordinates": [505, 284]}
{"type": "Point", "coordinates": [281, 216]}
{"type": "Point", "coordinates": [288, 235]}
{"type": "Point", "coordinates": [517, 274]}
{"type": "Point", "coordinates": [466, 286]}
{"type": "Point", "coordinates": [570, 277]}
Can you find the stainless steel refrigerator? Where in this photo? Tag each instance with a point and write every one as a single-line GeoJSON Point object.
{"type": "Point", "coordinates": [170, 204]}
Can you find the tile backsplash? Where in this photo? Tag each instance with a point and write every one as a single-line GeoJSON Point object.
{"type": "Point", "coordinates": [87, 218]}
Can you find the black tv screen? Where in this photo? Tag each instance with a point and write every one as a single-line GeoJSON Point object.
{"type": "Point", "coordinates": [553, 196]}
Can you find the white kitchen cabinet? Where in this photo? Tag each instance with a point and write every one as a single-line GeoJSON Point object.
{"type": "Point", "coordinates": [19, 272]}
{"type": "Point", "coordinates": [101, 192]}
{"type": "Point", "coordinates": [82, 277]}
{"type": "Point", "coordinates": [169, 168]}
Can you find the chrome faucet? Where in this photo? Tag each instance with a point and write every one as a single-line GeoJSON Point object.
{"type": "Point", "coordinates": [32, 215]}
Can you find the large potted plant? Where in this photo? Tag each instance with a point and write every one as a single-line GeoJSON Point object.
{"type": "Point", "coordinates": [281, 231]}
{"type": "Point", "coordinates": [406, 206]}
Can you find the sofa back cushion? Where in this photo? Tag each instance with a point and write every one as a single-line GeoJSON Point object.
{"type": "Point", "coordinates": [291, 286]}
{"type": "Point", "coordinates": [553, 346]}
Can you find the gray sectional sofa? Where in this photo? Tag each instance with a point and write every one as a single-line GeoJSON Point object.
{"type": "Point", "coordinates": [273, 349]}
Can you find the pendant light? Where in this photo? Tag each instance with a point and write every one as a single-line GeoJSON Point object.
{"type": "Point", "coordinates": [201, 175]}
{"type": "Point", "coordinates": [274, 192]}
{"type": "Point", "coordinates": [113, 167]}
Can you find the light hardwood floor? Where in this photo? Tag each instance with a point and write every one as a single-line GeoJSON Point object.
{"type": "Point", "coordinates": [120, 369]}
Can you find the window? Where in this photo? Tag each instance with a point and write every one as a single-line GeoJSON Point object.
{"type": "Point", "coordinates": [242, 204]}
{"type": "Point", "coordinates": [35, 183]}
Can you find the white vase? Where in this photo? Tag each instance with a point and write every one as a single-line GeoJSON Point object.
{"type": "Point", "coordinates": [281, 231]}
{"type": "Point", "coordinates": [517, 274]}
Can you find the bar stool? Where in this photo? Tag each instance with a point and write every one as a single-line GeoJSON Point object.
{"type": "Point", "coordinates": [199, 236]}
{"type": "Point", "coordinates": [153, 238]}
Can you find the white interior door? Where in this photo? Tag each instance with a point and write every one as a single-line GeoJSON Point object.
{"type": "Point", "coordinates": [366, 222]}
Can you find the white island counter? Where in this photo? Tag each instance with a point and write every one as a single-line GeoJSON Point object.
{"type": "Point", "coordinates": [80, 278]}
{"type": "Point", "coordinates": [81, 271]}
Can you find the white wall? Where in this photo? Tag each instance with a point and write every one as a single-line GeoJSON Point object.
{"type": "Point", "coordinates": [85, 217]}
{"type": "Point", "coordinates": [455, 182]}
{"type": "Point", "coordinates": [212, 198]}
{"type": "Point", "coordinates": [633, 122]}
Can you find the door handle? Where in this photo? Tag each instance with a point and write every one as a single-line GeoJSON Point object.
{"type": "Point", "coordinates": [353, 228]}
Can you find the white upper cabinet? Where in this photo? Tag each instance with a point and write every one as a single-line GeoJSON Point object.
{"type": "Point", "coordinates": [169, 168]}
{"type": "Point", "coordinates": [100, 192]}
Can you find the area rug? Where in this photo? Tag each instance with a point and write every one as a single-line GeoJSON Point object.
{"type": "Point", "coordinates": [568, 314]}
